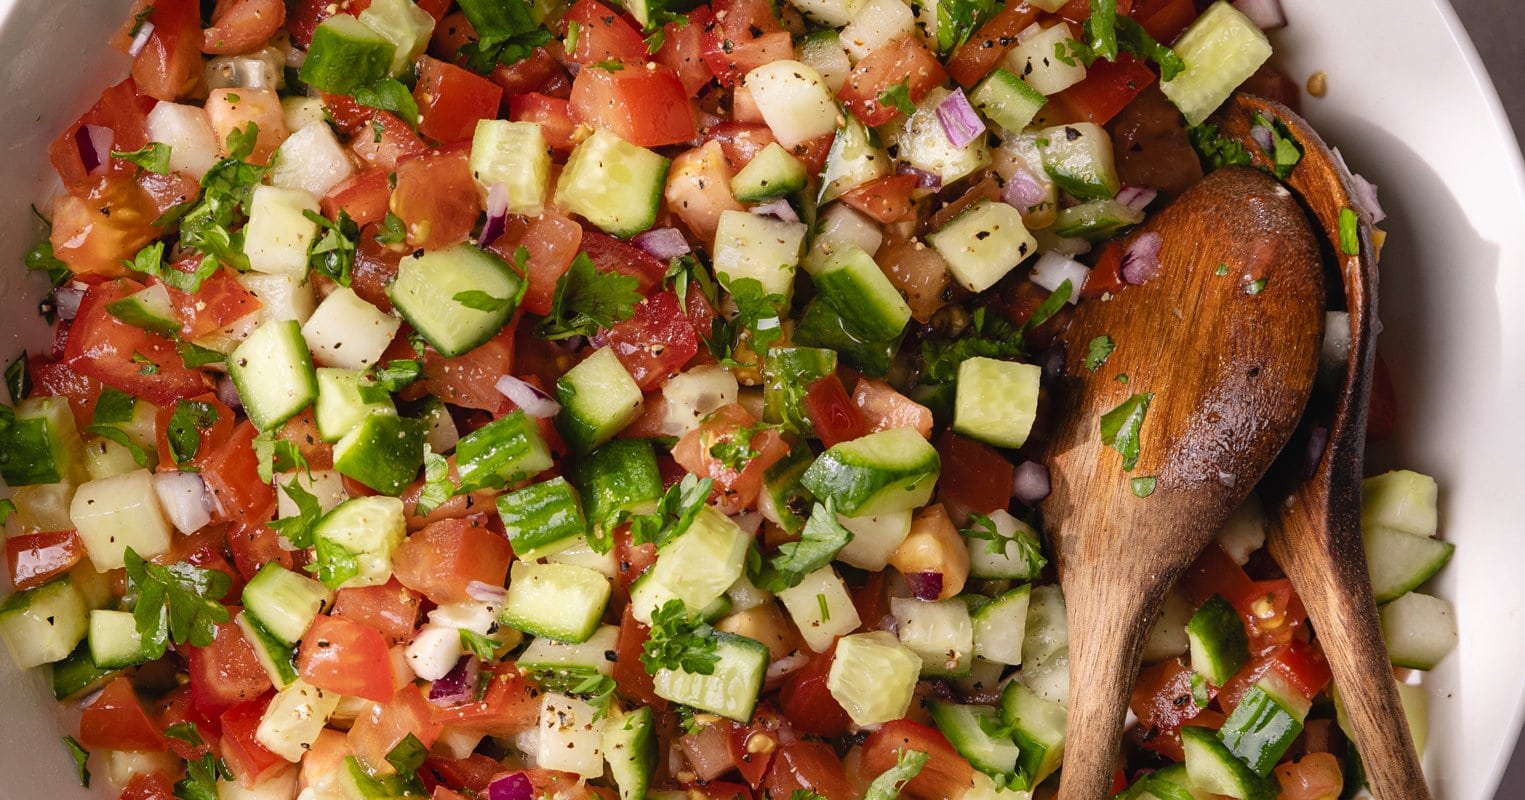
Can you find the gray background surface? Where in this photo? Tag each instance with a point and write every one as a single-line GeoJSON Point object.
{"type": "Point", "coordinates": [1498, 29]}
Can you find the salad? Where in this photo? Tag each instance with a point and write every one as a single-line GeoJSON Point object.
{"type": "Point", "coordinates": [509, 400]}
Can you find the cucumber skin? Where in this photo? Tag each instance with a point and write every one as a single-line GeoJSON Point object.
{"type": "Point", "coordinates": [353, 65]}
{"type": "Point", "coordinates": [384, 452]}
{"type": "Point", "coordinates": [862, 489]}
{"type": "Point", "coordinates": [1219, 643]}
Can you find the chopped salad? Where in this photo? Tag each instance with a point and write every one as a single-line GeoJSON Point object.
{"type": "Point", "coordinates": [509, 399]}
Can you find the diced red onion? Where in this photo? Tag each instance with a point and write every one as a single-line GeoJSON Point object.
{"type": "Point", "coordinates": [1023, 191]}
{"type": "Point", "coordinates": [527, 397]}
{"type": "Point", "coordinates": [1318, 440]}
{"type": "Point", "coordinates": [1267, 15]}
{"type": "Point", "coordinates": [486, 592]}
{"type": "Point", "coordinates": [1053, 360]}
{"type": "Point", "coordinates": [1137, 198]}
{"type": "Point", "coordinates": [185, 500]}
{"type": "Point", "coordinates": [141, 40]}
{"type": "Point", "coordinates": [663, 243]}
{"type": "Point", "coordinates": [924, 179]}
{"type": "Point", "coordinates": [960, 121]}
{"type": "Point", "coordinates": [459, 685]}
{"type": "Point", "coordinates": [94, 144]}
{"type": "Point", "coordinates": [514, 786]}
{"type": "Point", "coordinates": [1053, 269]}
{"type": "Point", "coordinates": [1030, 483]}
{"type": "Point", "coordinates": [779, 208]}
{"type": "Point", "coordinates": [66, 301]}
{"type": "Point", "coordinates": [787, 665]}
{"type": "Point", "coordinates": [497, 214]}
{"type": "Point", "coordinates": [1364, 192]}
{"type": "Point", "coordinates": [925, 585]}
{"type": "Point", "coordinates": [749, 522]}
{"type": "Point", "coordinates": [1262, 136]}
{"type": "Point", "coordinates": [1141, 261]}
{"type": "Point", "coordinates": [227, 393]}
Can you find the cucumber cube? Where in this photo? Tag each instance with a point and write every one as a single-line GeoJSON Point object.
{"type": "Point", "coordinates": [116, 513]}
{"type": "Point", "coordinates": [821, 324]}
{"type": "Point", "coordinates": [855, 158]}
{"type": "Point", "coordinates": [43, 625]}
{"type": "Point", "coordinates": [42, 445]}
{"type": "Point", "coordinates": [1219, 644]}
{"type": "Point", "coordinates": [345, 55]}
{"type": "Point", "coordinates": [542, 518]}
{"type": "Point", "coordinates": [1221, 50]}
{"type": "Point", "coordinates": [571, 736]}
{"type": "Point", "coordinates": [873, 676]}
{"type": "Point", "coordinates": [924, 144]}
{"type": "Point", "coordinates": [788, 373]}
{"type": "Point", "coordinates": [432, 289]}
{"type": "Point", "coordinates": [1214, 768]}
{"type": "Point", "coordinates": [275, 657]}
{"type": "Point", "coordinates": [1262, 728]}
{"type": "Point", "coordinates": [284, 603]}
{"type": "Point", "coordinates": [966, 728]}
{"type": "Point", "coordinates": [114, 639]}
{"type": "Point", "coordinates": [347, 332]}
{"type": "Point", "coordinates": [629, 745]}
{"type": "Point", "coordinates": [821, 608]}
{"type": "Point", "coordinates": [984, 243]}
{"type": "Point", "coordinates": [849, 278]}
{"type": "Point", "coordinates": [696, 567]}
{"type": "Point", "coordinates": [940, 632]}
{"type": "Point", "coordinates": [273, 373]}
{"type": "Point", "coordinates": [613, 184]}
{"type": "Point", "coordinates": [999, 627]}
{"type": "Point", "coordinates": [875, 538]}
{"type": "Point", "coordinates": [384, 452]}
{"type": "Point", "coordinates": [880, 473]}
{"type": "Point", "coordinates": [501, 452]}
{"type": "Point", "coordinates": [996, 401]}
{"type": "Point", "coordinates": [514, 155]}
{"type": "Point", "coordinates": [731, 690]}
{"type": "Point", "coordinates": [1419, 629]}
{"type": "Point", "coordinates": [758, 247]}
{"type": "Point", "coordinates": [150, 309]}
{"type": "Point", "coordinates": [1401, 500]}
{"type": "Point", "coordinates": [1038, 727]}
{"type": "Point", "coordinates": [342, 403]}
{"type": "Point", "coordinates": [1400, 562]}
{"type": "Point", "coordinates": [622, 475]}
{"type": "Point", "coordinates": [369, 530]}
{"type": "Point", "coordinates": [558, 601]}
{"type": "Point", "coordinates": [1007, 100]}
{"type": "Point", "coordinates": [794, 100]}
{"type": "Point", "coordinates": [598, 399]}
{"type": "Point", "coordinates": [278, 235]}
{"type": "Point", "coordinates": [1037, 60]}
{"type": "Point", "coordinates": [773, 172]}
{"type": "Point", "coordinates": [295, 718]}
{"type": "Point", "coordinates": [1079, 158]}
{"type": "Point", "coordinates": [405, 25]}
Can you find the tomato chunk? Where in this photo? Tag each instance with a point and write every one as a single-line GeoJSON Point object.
{"type": "Point", "coordinates": [442, 560]}
{"type": "Point", "coordinates": [738, 480]}
{"type": "Point", "coordinates": [975, 475]}
{"type": "Point", "coordinates": [832, 412]}
{"type": "Point", "coordinates": [436, 197]}
{"type": "Point", "coordinates": [36, 558]}
{"type": "Point", "coordinates": [905, 59]}
{"type": "Point", "coordinates": [117, 721]}
{"type": "Point", "coordinates": [604, 35]}
{"type": "Point", "coordinates": [125, 357]}
{"type": "Point", "coordinates": [946, 775]}
{"type": "Point", "coordinates": [648, 107]}
{"type": "Point", "coordinates": [656, 341]}
{"type": "Point", "coordinates": [346, 657]}
{"type": "Point", "coordinates": [226, 672]}
{"type": "Point", "coordinates": [452, 100]}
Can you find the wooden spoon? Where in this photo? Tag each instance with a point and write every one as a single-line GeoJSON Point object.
{"type": "Point", "coordinates": [1315, 533]}
{"type": "Point", "coordinates": [1226, 340]}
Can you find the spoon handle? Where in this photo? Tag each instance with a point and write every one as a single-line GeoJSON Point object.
{"type": "Point", "coordinates": [1324, 557]}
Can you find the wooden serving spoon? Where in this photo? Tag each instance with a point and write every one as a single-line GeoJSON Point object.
{"type": "Point", "coordinates": [1225, 338]}
{"type": "Point", "coordinates": [1315, 533]}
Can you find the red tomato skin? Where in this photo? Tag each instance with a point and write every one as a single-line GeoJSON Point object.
{"type": "Point", "coordinates": [811, 766]}
{"type": "Point", "coordinates": [375, 265]}
{"type": "Point", "coordinates": [1108, 87]}
{"type": "Point", "coordinates": [1165, 19]}
{"type": "Point", "coordinates": [169, 65]}
{"type": "Point", "coordinates": [883, 408]}
{"type": "Point", "coordinates": [116, 721]}
{"type": "Point", "coordinates": [390, 608]}
{"type": "Point", "coordinates": [1106, 276]}
{"type": "Point", "coordinates": [54, 378]}
{"type": "Point", "coordinates": [740, 35]}
{"type": "Point", "coordinates": [378, 729]}
{"type": "Point", "coordinates": [36, 558]}
{"type": "Point", "coordinates": [683, 52]}
{"type": "Point", "coordinates": [552, 240]}
{"type": "Point", "coordinates": [735, 489]}
{"type": "Point", "coordinates": [442, 560]}
{"type": "Point", "coordinates": [740, 141]}
{"type": "Point", "coordinates": [452, 100]}
{"type": "Point", "coordinates": [604, 35]}
{"type": "Point", "coordinates": [904, 59]}
{"type": "Point", "coordinates": [655, 342]}
{"type": "Point", "coordinates": [631, 676]}
{"type": "Point", "coordinates": [232, 474]}
{"type": "Point", "coordinates": [226, 672]}
{"type": "Point", "coordinates": [750, 744]}
{"type": "Point", "coordinates": [120, 109]}
{"type": "Point", "coordinates": [254, 545]}
{"type": "Point", "coordinates": [151, 786]}
{"type": "Point", "coordinates": [470, 379]}
{"type": "Point", "coordinates": [946, 776]}
{"type": "Point", "coordinates": [553, 113]}
{"type": "Point", "coordinates": [472, 773]}
{"type": "Point", "coordinates": [363, 196]}
{"type": "Point", "coordinates": [103, 224]}
{"type": "Point", "coordinates": [248, 759]}
{"type": "Point", "coordinates": [384, 141]}
{"type": "Point", "coordinates": [647, 107]}
{"type": "Point", "coordinates": [541, 72]}
{"type": "Point", "coordinates": [436, 197]}
{"type": "Point", "coordinates": [609, 254]}
{"type": "Point", "coordinates": [102, 347]}
{"type": "Point", "coordinates": [808, 704]}
{"type": "Point", "coordinates": [220, 302]}
{"type": "Point", "coordinates": [978, 476]}
{"type": "Point", "coordinates": [977, 57]}
{"type": "Point", "coordinates": [832, 412]}
{"type": "Point", "coordinates": [305, 15]}
{"type": "Point", "coordinates": [886, 199]}
{"type": "Point", "coordinates": [343, 656]}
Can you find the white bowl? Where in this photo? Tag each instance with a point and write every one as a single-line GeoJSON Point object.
{"type": "Point", "coordinates": [1408, 104]}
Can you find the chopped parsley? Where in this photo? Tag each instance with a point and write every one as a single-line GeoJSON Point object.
{"type": "Point", "coordinates": [153, 157]}
{"type": "Point", "coordinates": [298, 529]}
{"type": "Point", "coordinates": [333, 253]}
{"type": "Point", "coordinates": [479, 300]}
{"type": "Point", "coordinates": [991, 336]}
{"type": "Point", "coordinates": [1217, 151]}
{"type": "Point", "coordinates": [679, 642]}
{"type": "Point", "coordinates": [146, 364]}
{"type": "Point", "coordinates": [1098, 350]}
{"type": "Point", "coordinates": [1285, 152]}
{"type": "Point", "coordinates": [277, 455]}
{"type": "Point", "coordinates": [335, 564]}
{"type": "Point", "coordinates": [1050, 306]}
{"type": "Point", "coordinates": [437, 488]}
{"type": "Point", "coordinates": [820, 541]}
{"type": "Point", "coordinates": [392, 230]}
{"type": "Point", "coordinates": [206, 226]}
{"type": "Point", "coordinates": [957, 20]}
{"type": "Point", "coordinates": [736, 450]}
{"type": "Point", "coordinates": [898, 97]}
{"type": "Point", "coordinates": [675, 512]}
{"type": "Point", "coordinates": [507, 33]}
{"type": "Point", "coordinates": [908, 764]}
{"type": "Point", "coordinates": [1255, 287]}
{"type": "Point", "coordinates": [150, 261]}
{"type": "Point", "coordinates": [81, 756]}
{"type": "Point", "coordinates": [179, 602]}
{"type": "Point", "coordinates": [587, 299]}
{"type": "Point", "coordinates": [758, 313]}
{"type": "Point", "coordinates": [18, 381]}
{"type": "Point", "coordinates": [485, 648]}
{"type": "Point", "coordinates": [389, 94]}
{"type": "Point", "coordinates": [1028, 549]}
{"type": "Point", "coordinates": [1143, 487]}
{"type": "Point", "coordinates": [195, 356]}
{"type": "Point", "coordinates": [1350, 232]}
{"type": "Point", "coordinates": [1120, 427]}
{"type": "Point", "coordinates": [115, 434]}
{"type": "Point", "coordinates": [42, 259]}
{"type": "Point", "coordinates": [407, 756]}
{"type": "Point", "coordinates": [183, 431]}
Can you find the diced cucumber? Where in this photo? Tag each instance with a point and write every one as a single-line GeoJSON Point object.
{"type": "Point", "coordinates": [731, 690]}
{"type": "Point", "coordinates": [273, 373]}
{"type": "Point", "coordinates": [78, 675]}
{"type": "Point", "coordinates": [384, 452]}
{"type": "Point", "coordinates": [342, 403]}
{"type": "Point", "coordinates": [1265, 723]}
{"type": "Point", "coordinates": [822, 325]}
{"type": "Point", "coordinates": [1221, 50]}
{"type": "Point", "coordinates": [284, 603]}
{"type": "Point", "coordinates": [1046, 60]}
{"type": "Point", "coordinates": [763, 248]}
{"type": "Point", "coordinates": [42, 444]}
{"type": "Point", "coordinates": [835, 13]}
{"type": "Point", "coordinates": [1079, 158]}
{"type": "Point", "coordinates": [873, 676]}
{"type": "Point", "coordinates": [440, 432]}
{"type": "Point", "coordinates": [855, 158]}
{"type": "Point", "coordinates": [513, 155]}
{"type": "Point", "coordinates": [553, 659]}
{"type": "Point", "coordinates": [598, 399]}
{"type": "Point", "coordinates": [277, 658]}
{"type": "Point", "coordinates": [773, 172]}
{"type": "Point", "coordinates": [1244, 532]}
{"type": "Point", "coordinates": [558, 601]}
{"type": "Point", "coordinates": [984, 243]}
{"type": "Point", "coordinates": [369, 529]}
{"type": "Point", "coordinates": [822, 51]}
{"type": "Point", "coordinates": [879, 23]}
{"type": "Point", "coordinates": [1401, 500]}
{"type": "Point", "coordinates": [821, 608]}
{"type": "Point", "coordinates": [939, 632]}
{"type": "Point", "coordinates": [875, 538]}
{"type": "Point", "coordinates": [794, 100]}
{"type": "Point", "coordinates": [696, 567]}
{"type": "Point", "coordinates": [1013, 558]}
{"type": "Point", "coordinates": [279, 235]}
{"type": "Point", "coordinates": [114, 639]}
{"type": "Point", "coordinates": [850, 279]}
{"type": "Point", "coordinates": [1038, 727]}
{"type": "Point", "coordinates": [148, 308]}
{"type": "Point", "coordinates": [1400, 562]}
{"type": "Point", "coordinates": [405, 25]}
{"type": "Point", "coordinates": [294, 719]}
{"type": "Point", "coordinates": [311, 158]}
{"type": "Point", "coordinates": [431, 289]}
{"type": "Point", "coordinates": [1419, 629]}
{"type": "Point", "coordinates": [1168, 639]}
{"type": "Point", "coordinates": [999, 627]}
{"type": "Point", "coordinates": [1048, 629]}
{"type": "Point", "coordinates": [504, 451]}
{"type": "Point", "coordinates": [922, 142]}
{"type": "Point", "coordinates": [1416, 711]}
{"type": "Point", "coordinates": [1214, 768]}
{"type": "Point", "coordinates": [613, 184]}
{"type": "Point", "coordinates": [968, 730]}
{"type": "Point", "coordinates": [630, 748]}
{"type": "Point", "coordinates": [570, 738]}
{"type": "Point", "coordinates": [281, 297]}
{"type": "Point", "coordinates": [542, 518]}
{"type": "Point", "coordinates": [788, 373]}
{"type": "Point", "coordinates": [1095, 220]}
{"type": "Point", "coordinates": [116, 513]}
{"type": "Point", "coordinates": [997, 401]}
{"type": "Point", "coordinates": [44, 624]}
{"type": "Point", "coordinates": [784, 501]}
{"type": "Point", "coordinates": [1219, 644]}
{"type": "Point", "coordinates": [882, 472]}
{"type": "Point", "coordinates": [694, 394]}
{"type": "Point", "coordinates": [622, 475]}
{"type": "Point", "coordinates": [1007, 100]}
{"type": "Point", "coordinates": [345, 55]}
{"type": "Point", "coordinates": [346, 331]}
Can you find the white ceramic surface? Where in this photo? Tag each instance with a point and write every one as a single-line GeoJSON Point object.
{"type": "Point", "coordinates": [1411, 108]}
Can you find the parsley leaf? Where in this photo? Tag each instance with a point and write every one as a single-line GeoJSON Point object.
{"type": "Point", "coordinates": [736, 450]}
{"type": "Point", "coordinates": [1101, 29]}
{"type": "Point", "coordinates": [899, 97]}
{"type": "Point", "coordinates": [298, 529]}
{"type": "Point", "coordinates": [277, 455]}
{"type": "Point", "coordinates": [1050, 306]}
{"type": "Point", "coordinates": [150, 261]}
{"type": "Point", "coordinates": [1217, 151]}
{"type": "Point", "coordinates": [482, 301]}
{"type": "Point", "coordinates": [333, 253]}
{"type": "Point", "coordinates": [7, 506]}
{"type": "Point", "coordinates": [183, 431]}
{"type": "Point", "coordinates": [18, 381]}
{"type": "Point", "coordinates": [804, 794]}
{"type": "Point", "coordinates": [335, 563]}
{"type": "Point", "coordinates": [178, 603]}
{"type": "Point", "coordinates": [679, 642]}
{"type": "Point", "coordinates": [115, 434]}
{"type": "Point", "coordinates": [397, 374]}
{"type": "Point", "coordinates": [392, 230]}
{"type": "Point", "coordinates": [226, 188]}
{"type": "Point", "coordinates": [485, 648]}
{"type": "Point", "coordinates": [438, 488]}
{"type": "Point", "coordinates": [685, 271]}
{"type": "Point", "coordinates": [991, 336]}
{"type": "Point", "coordinates": [1285, 152]}
{"type": "Point", "coordinates": [908, 764]}
{"type": "Point", "coordinates": [1120, 427]}
{"type": "Point", "coordinates": [153, 157]}
{"type": "Point", "coordinates": [1132, 37]}
{"type": "Point", "coordinates": [758, 312]}
{"type": "Point", "coordinates": [407, 756]}
{"type": "Point", "coordinates": [80, 756]}
{"type": "Point", "coordinates": [194, 356]}
{"type": "Point", "coordinates": [389, 94]}
{"type": "Point", "coordinates": [1350, 232]}
{"type": "Point", "coordinates": [587, 299]}
{"type": "Point", "coordinates": [201, 776]}
{"type": "Point", "coordinates": [507, 33]}
{"type": "Point", "coordinates": [1019, 545]}
{"type": "Point", "coordinates": [1098, 351]}
{"type": "Point", "coordinates": [42, 259]}
{"type": "Point", "coordinates": [957, 20]}
{"type": "Point", "coordinates": [1143, 487]}
{"type": "Point", "coordinates": [675, 511]}
{"type": "Point", "coordinates": [598, 690]}
{"type": "Point", "coordinates": [820, 541]}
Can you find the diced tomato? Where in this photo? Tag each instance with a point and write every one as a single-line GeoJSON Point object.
{"type": "Point", "coordinates": [442, 560]}
{"type": "Point", "coordinates": [552, 241]}
{"type": "Point", "coordinates": [375, 266]}
{"type": "Point", "coordinates": [553, 113]}
{"type": "Point", "coordinates": [740, 141]}
{"type": "Point", "coordinates": [232, 475]}
{"type": "Point", "coordinates": [946, 776]}
{"type": "Point", "coordinates": [609, 254]}
{"type": "Point", "coordinates": [254, 545]}
{"type": "Point", "coordinates": [1272, 615]}
{"type": "Point", "coordinates": [51, 378]}
{"type": "Point", "coordinates": [230, 111]}
{"type": "Point", "coordinates": [470, 379]}
{"type": "Point", "coordinates": [390, 608]}
{"type": "Point", "coordinates": [541, 72]}
{"type": "Point", "coordinates": [451, 100]}
{"type": "Point", "coordinates": [149, 786]}
{"type": "Point", "coordinates": [698, 189]}
{"type": "Point", "coordinates": [905, 59]}
{"type": "Point", "coordinates": [753, 745]}
{"type": "Point", "coordinates": [884, 409]}
{"type": "Point", "coordinates": [656, 341]}
{"type": "Point", "coordinates": [832, 413]}
{"type": "Point", "coordinates": [634, 559]}
{"type": "Point", "coordinates": [976, 58]}
{"type": "Point", "coordinates": [305, 16]}
{"type": "Point", "coordinates": [248, 759]}
{"type": "Point", "coordinates": [808, 704]}
{"type": "Point", "coordinates": [127, 358]}
{"type": "Point", "coordinates": [363, 196]}
{"type": "Point", "coordinates": [169, 65]}
{"type": "Point", "coordinates": [735, 489]}
{"type": "Point", "coordinates": [707, 751]}
{"type": "Point", "coordinates": [220, 302]}
{"type": "Point", "coordinates": [210, 438]}
{"type": "Point", "coordinates": [809, 766]}
{"type": "Point", "coordinates": [511, 704]}
{"type": "Point", "coordinates": [1107, 88]}
{"type": "Point", "coordinates": [1164, 19]}
{"type": "Point", "coordinates": [886, 199]}
{"type": "Point", "coordinates": [301, 431]}
{"type": "Point", "coordinates": [720, 790]}
{"type": "Point", "coordinates": [1313, 777]}
{"type": "Point", "coordinates": [1162, 698]}
{"type": "Point", "coordinates": [103, 224]}
{"type": "Point", "coordinates": [629, 673]}
{"type": "Point", "coordinates": [1106, 276]}
{"type": "Point", "coordinates": [603, 34]}
{"type": "Point", "coordinates": [122, 111]}
{"type": "Point", "coordinates": [1215, 573]}
{"type": "Point", "coordinates": [975, 475]}
{"type": "Point", "coordinates": [739, 36]}
{"type": "Point", "coordinates": [239, 26]}
{"type": "Point", "coordinates": [379, 728]}
{"type": "Point", "coordinates": [453, 32]}
{"type": "Point", "coordinates": [1382, 412]}
{"type": "Point", "coordinates": [385, 140]}
{"type": "Point", "coordinates": [226, 672]}
{"type": "Point", "coordinates": [346, 113]}
{"type": "Point", "coordinates": [116, 721]}
{"type": "Point", "coordinates": [472, 773]}
{"type": "Point", "coordinates": [647, 107]}
{"type": "Point", "coordinates": [436, 197]}
{"type": "Point", "coordinates": [36, 558]}
{"type": "Point", "coordinates": [682, 52]}
{"type": "Point", "coordinates": [1271, 83]}
{"type": "Point", "coordinates": [346, 657]}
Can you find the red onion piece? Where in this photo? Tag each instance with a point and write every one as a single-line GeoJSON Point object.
{"type": "Point", "coordinates": [94, 144]}
{"type": "Point", "coordinates": [925, 585]}
{"type": "Point", "coordinates": [663, 243]}
{"type": "Point", "coordinates": [66, 301]}
{"type": "Point", "coordinates": [787, 665]}
{"type": "Point", "coordinates": [141, 40]}
{"type": "Point", "coordinates": [960, 121]}
{"type": "Point", "coordinates": [1364, 192]}
{"type": "Point", "coordinates": [1052, 360]}
{"type": "Point", "coordinates": [778, 207]}
{"type": "Point", "coordinates": [486, 592]}
{"type": "Point", "coordinates": [527, 397]}
{"type": "Point", "coordinates": [185, 500]}
{"type": "Point", "coordinates": [227, 393]}
{"type": "Point", "coordinates": [1137, 198]}
{"type": "Point", "coordinates": [749, 522]}
{"type": "Point", "coordinates": [1267, 15]}
{"type": "Point", "coordinates": [459, 685]}
{"type": "Point", "coordinates": [924, 179]}
{"type": "Point", "coordinates": [1023, 191]}
{"type": "Point", "coordinates": [1318, 440]}
{"type": "Point", "coordinates": [1141, 261]}
{"type": "Point", "coordinates": [1030, 483]}
{"type": "Point", "coordinates": [497, 214]}
{"type": "Point", "coordinates": [1262, 136]}
{"type": "Point", "coordinates": [514, 786]}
